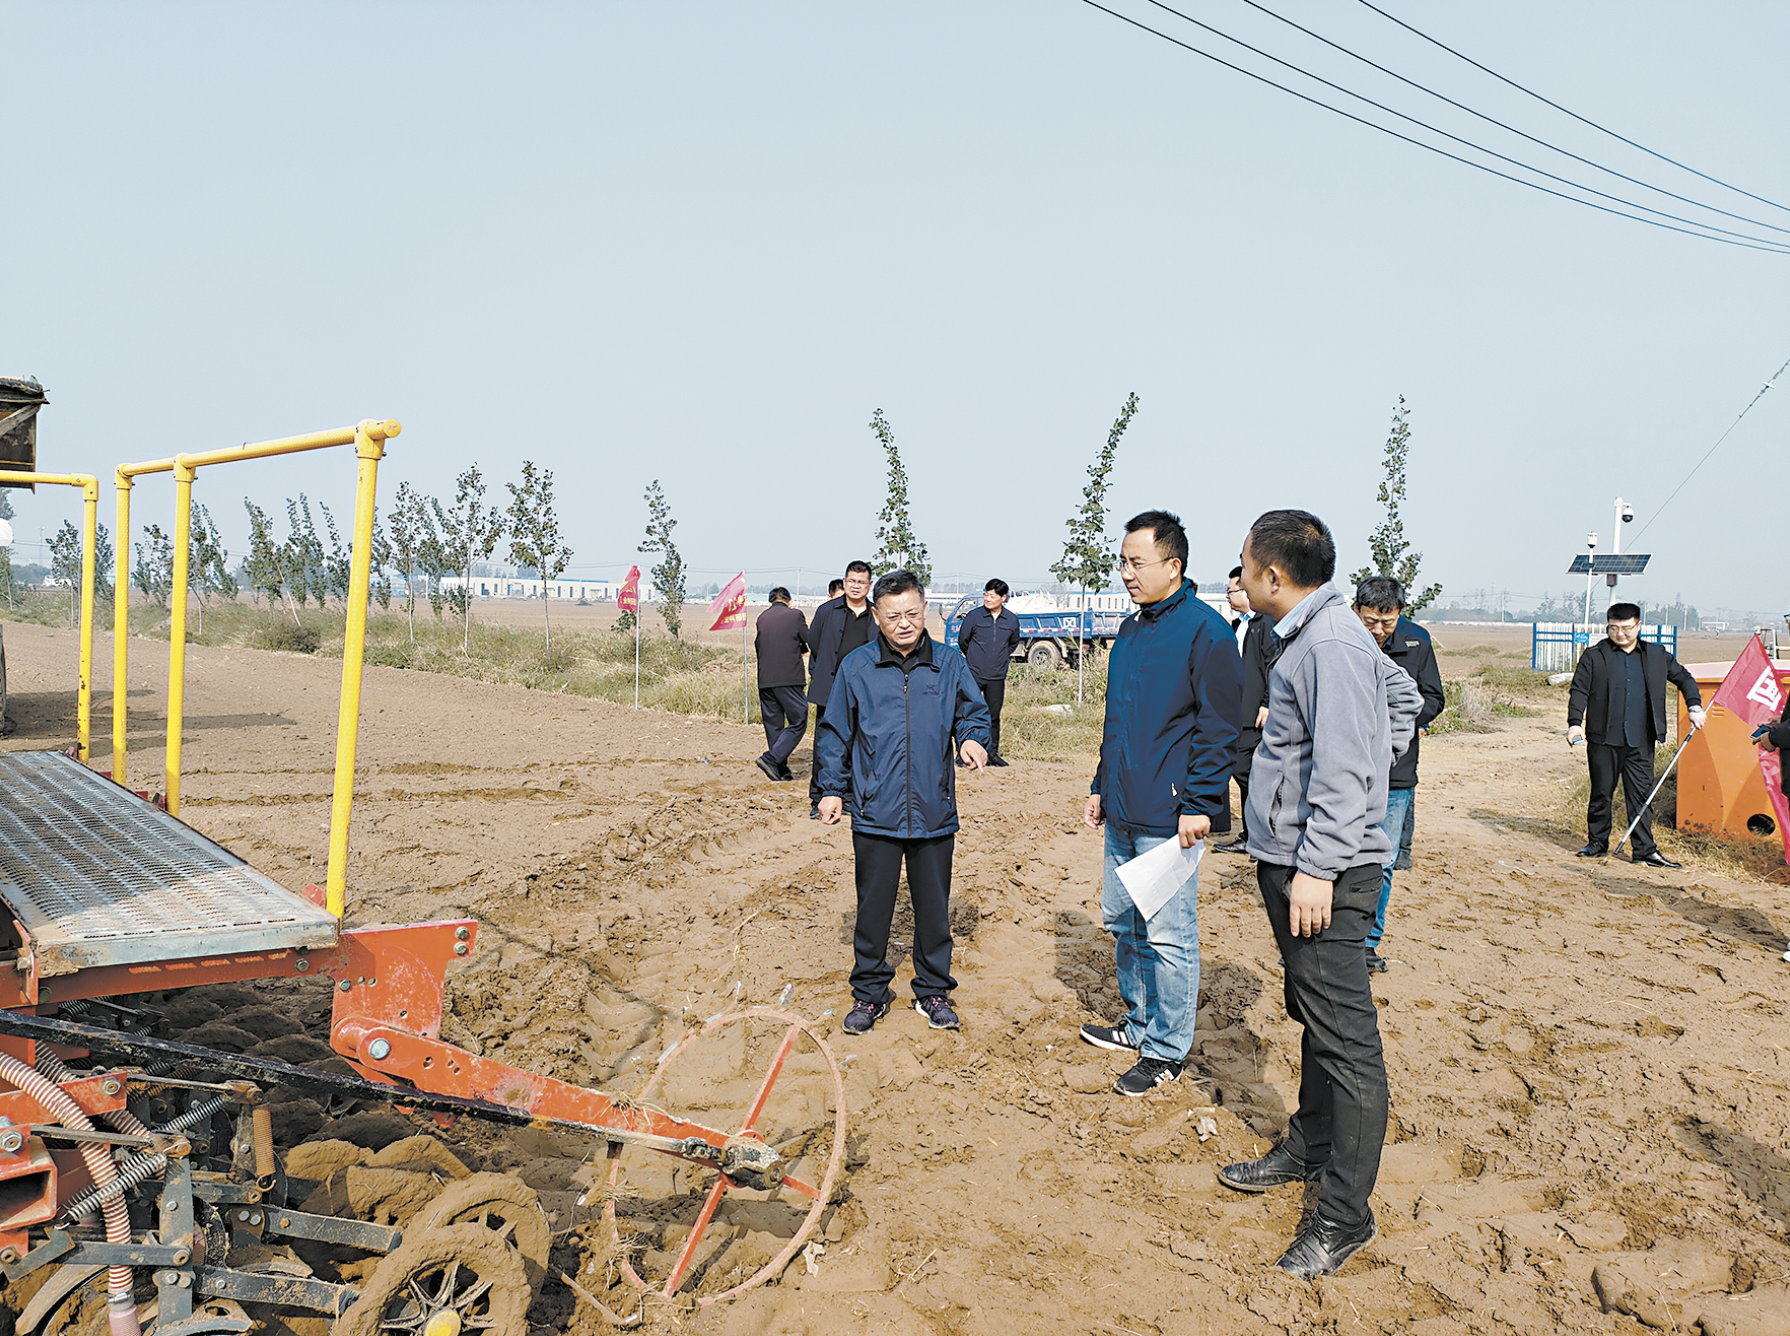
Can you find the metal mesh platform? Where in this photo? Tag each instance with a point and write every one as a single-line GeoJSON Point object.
{"type": "Point", "coordinates": [100, 877]}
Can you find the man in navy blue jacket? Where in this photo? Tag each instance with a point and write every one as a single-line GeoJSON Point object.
{"type": "Point", "coordinates": [885, 740]}
{"type": "Point", "coordinates": [1173, 685]}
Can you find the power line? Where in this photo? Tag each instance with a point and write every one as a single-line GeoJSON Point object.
{"type": "Point", "coordinates": [1575, 115]}
{"type": "Point", "coordinates": [1493, 120]}
{"type": "Point", "coordinates": [1467, 143]}
{"type": "Point", "coordinates": [1442, 152]}
{"type": "Point", "coordinates": [1712, 449]}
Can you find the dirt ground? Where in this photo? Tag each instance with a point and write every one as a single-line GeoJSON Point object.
{"type": "Point", "coordinates": [1589, 1093]}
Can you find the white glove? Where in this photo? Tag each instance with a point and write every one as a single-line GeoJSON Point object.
{"type": "Point", "coordinates": [1696, 713]}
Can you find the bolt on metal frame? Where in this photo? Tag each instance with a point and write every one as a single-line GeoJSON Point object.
{"type": "Point", "coordinates": [89, 486]}
{"type": "Point", "coordinates": [368, 439]}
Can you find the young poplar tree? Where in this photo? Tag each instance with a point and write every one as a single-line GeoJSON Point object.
{"type": "Point", "coordinates": [65, 566]}
{"type": "Point", "coordinates": [900, 549]}
{"type": "Point", "coordinates": [266, 566]}
{"type": "Point", "coordinates": [534, 533]}
{"type": "Point", "coordinates": [1088, 556]}
{"type": "Point", "coordinates": [470, 532]}
{"type": "Point", "coordinates": [1390, 551]}
{"type": "Point", "coordinates": [407, 526]}
{"type": "Point", "coordinates": [208, 562]}
{"type": "Point", "coordinates": [668, 575]}
{"type": "Point", "coordinates": [154, 569]}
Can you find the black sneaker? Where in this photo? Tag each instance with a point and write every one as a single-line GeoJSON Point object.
{"type": "Point", "coordinates": [1376, 965]}
{"type": "Point", "coordinates": [997, 760]}
{"type": "Point", "coordinates": [768, 764]}
{"type": "Point", "coordinates": [1146, 1076]}
{"type": "Point", "coordinates": [784, 773]}
{"type": "Point", "coordinates": [1106, 1036]}
{"type": "Point", "coordinates": [863, 1015]}
{"type": "Point", "coordinates": [937, 1011]}
{"type": "Point", "coordinates": [814, 812]}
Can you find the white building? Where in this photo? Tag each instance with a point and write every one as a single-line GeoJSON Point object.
{"type": "Point", "coordinates": [514, 586]}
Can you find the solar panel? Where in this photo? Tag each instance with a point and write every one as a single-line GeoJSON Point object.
{"type": "Point", "coordinates": [1609, 563]}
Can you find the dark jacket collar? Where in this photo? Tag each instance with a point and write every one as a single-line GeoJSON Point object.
{"type": "Point", "coordinates": [1154, 610]}
{"type": "Point", "coordinates": [922, 653]}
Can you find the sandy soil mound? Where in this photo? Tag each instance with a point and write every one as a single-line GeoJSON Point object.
{"type": "Point", "coordinates": [1589, 1094]}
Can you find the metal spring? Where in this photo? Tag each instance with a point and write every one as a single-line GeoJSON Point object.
{"type": "Point", "coordinates": [195, 1115]}
{"type": "Point", "coordinates": [132, 1172]}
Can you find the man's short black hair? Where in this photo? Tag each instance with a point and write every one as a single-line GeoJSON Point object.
{"type": "Point", "coordinates": [1171, 538]}
{"type": "Point", "coordinates": [1236, 573]}
{"type": "Point", "coordinates": [835, 588]}
{"type": "Point", "coordinates": [1382, 593]}
{"type": "Point", "coordinates": [1298, 542]}
{"type": "Point", "coordinates": [779, 595]}
{"type": "Point", "coordinates": [857, 568]}
{"type": "Point", "coordinates": [1623, 612]}
{"type": "Point", "coordinates": [996, 586]}
{"type": "Point", "coordinates": [896, 582]}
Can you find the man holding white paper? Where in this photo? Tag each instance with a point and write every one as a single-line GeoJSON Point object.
{"type": "Point", "coordinates": [1173, 683]}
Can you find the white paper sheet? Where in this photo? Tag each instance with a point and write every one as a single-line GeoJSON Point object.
{"type": "Point", "coordinates": [1151, 878]}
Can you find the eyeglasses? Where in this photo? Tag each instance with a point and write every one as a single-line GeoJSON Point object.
{"type": "Point", "coordinates": [1127, 564]}
{"type": "Point", "coordinates": [914, 618]}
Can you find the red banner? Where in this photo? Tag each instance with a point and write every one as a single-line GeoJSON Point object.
{"type": "Point", "coordinates": [628, 599]}
{"type": "Point", "coordinates": [1752, 693]}
{"type": "Point", "coordinates": [729, 607]}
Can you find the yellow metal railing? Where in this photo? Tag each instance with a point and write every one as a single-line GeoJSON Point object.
{"type": "Point", "coordinates": [89, 486]}
{"type": "Point", "coordinates": [368, 439]}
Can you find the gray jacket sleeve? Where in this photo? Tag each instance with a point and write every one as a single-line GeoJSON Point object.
{"type": "Point", "coordinates": [1340, 690]}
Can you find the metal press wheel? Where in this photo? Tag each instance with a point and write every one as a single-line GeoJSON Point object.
{"type": "Point", "coordinates": [506, 1207]}
{"type": "Point", "coordinates": [443, 1282]}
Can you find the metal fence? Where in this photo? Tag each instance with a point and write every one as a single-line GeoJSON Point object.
{"type": "Point", "coordinates": [1555, 647]}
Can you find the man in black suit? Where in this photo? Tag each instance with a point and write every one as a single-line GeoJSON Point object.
{"type": "Point", "coordinates": [1253, 636]}
{"type": "Point", "coordinates": [1617, 708]}
{"type": "Point", "coordinates": [781, 641]}
{"type": "Point", "coordinates": [840, 626]}
{"type": "Point", "coordinates": [987, 637]}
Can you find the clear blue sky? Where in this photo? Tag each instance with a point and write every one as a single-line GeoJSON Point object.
{"type": "Point", "coordinates": [701, 242]}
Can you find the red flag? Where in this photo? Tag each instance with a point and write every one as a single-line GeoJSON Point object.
{"type": "Point", "coordinates": [628, 599]}
{"type": "Point", "coordinates": [729, 607]}
{"type": "Point", "coordinates": [1751, 692]}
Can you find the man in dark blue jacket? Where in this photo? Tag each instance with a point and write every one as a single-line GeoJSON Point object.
{"type": "Point", "coordinates": [988, 636]}
{"type": "Point", "coordinates": [885, 740]}
{"type": "Point", "coordinates": [1380, 604]}
{"type": "Point", "coordinates": [1173, 684]}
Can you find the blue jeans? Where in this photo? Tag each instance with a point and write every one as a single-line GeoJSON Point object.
{"type": "Point", "coordinates": [1399, 804]}
{"type": "Point", "coordinates": [1159, 958]}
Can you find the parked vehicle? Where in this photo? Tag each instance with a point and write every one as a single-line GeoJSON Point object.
{"type": "Point", "coordinates": [1047, 639]}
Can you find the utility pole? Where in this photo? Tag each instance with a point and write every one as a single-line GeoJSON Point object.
{"type": "Point", "coordinates": [1625, 514]}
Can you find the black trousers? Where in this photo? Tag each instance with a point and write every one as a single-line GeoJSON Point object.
{"type": "Point", "coordinates": [1241, 761]}
{"type": "Point", "coordinates": [820, 712]}
{"type": "Point", "coordinates": [994, 694]}
{"type": "Point", "coordinates": [1341, 1121]}
{"type": "Point", "coordinates": [785, 711]}
{"type": "Point", "coordinates": [878, 872]}
{"type": "Point", "coordinates": [1635, 765]}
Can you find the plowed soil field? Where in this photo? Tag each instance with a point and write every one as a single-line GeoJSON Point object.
{"type": "Point", "coordinates": [1590, 1083]}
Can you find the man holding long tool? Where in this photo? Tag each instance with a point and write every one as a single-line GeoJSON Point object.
{"type": "Point", "coordinates": [1617, 708]}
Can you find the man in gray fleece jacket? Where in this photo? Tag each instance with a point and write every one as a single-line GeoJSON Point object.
{"type": "Point", "coordinates": [1339, 711]}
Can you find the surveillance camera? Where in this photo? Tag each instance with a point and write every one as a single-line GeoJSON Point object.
{"type": "Point", "coordinates": [1628, 514]}
{"type": "Point", "coordinates": [1591, 540]}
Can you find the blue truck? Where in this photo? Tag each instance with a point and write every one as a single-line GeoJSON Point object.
{"type": "Point", "coordinates": [1047, 639]}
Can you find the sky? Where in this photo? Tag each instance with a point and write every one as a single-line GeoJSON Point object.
{"type": "Point", "coordinates": [703, 242]}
